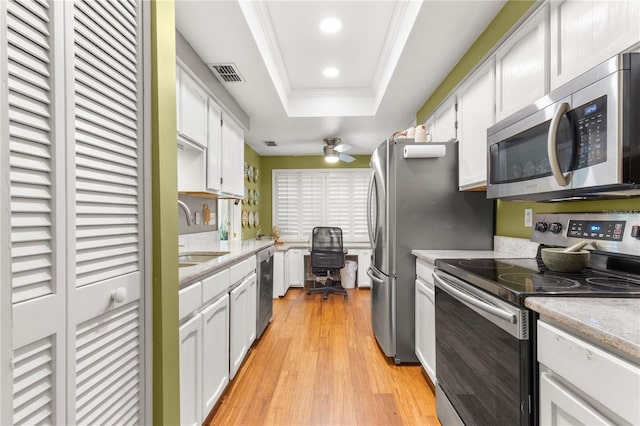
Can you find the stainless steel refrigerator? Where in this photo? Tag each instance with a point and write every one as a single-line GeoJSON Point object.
{"type": "Point", "coordinates": [414, 203]}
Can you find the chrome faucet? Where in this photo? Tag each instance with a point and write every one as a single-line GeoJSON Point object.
{"type": "Point", "coordinates": [187, 212]}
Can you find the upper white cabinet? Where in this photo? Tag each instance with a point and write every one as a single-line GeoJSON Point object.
{"type": "Point", "coordinates": [475, 115]}
{"type": "Point", "coordinates": [586, 33]}
{"type": "Point", "coordinates": [214, 146]}
{"type": "Point", "coordinates": [232, 158]}
{"type": "Point", "coordinates": [443, 122]}
{"type": "Point", "coordinates": [191, 109]}
{"type": "Point", "coordinates": [521, 64]}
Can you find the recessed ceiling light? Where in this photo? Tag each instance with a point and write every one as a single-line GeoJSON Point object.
{"type": "Point", "coordinates": [331, 72]}
{"type": "Point", "coordinates": [330, 25]}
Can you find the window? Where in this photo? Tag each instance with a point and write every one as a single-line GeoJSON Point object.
{"type": "Point", "coordinates": [303, 199]}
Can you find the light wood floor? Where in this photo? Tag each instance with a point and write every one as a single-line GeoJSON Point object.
{"type": "Point", "coordinates": [318, 364]}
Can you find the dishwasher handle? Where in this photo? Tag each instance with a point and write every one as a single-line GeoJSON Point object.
{"type": "Point", "coordinates": [475, 301]}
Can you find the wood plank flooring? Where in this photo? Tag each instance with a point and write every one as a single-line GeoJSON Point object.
{"type": "Point", "coordinates": [318, 363]}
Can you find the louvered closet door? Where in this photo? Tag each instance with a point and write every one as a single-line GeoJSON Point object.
{"type": "Point", "coordinates": [36, 150]}
{"type": "Point", "coordinates": [105, 251]}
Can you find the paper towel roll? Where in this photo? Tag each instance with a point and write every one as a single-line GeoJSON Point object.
{"type": "Point", "coordinates": [424, 151]}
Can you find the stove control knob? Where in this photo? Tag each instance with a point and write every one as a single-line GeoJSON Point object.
{"type": "Point", "coordinates": [541, 226]}
{"type": "Point", "coordinates": [555, 227]}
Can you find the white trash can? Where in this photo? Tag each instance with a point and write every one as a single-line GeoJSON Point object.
{"type": "Point", "coordinates": [348, 274]}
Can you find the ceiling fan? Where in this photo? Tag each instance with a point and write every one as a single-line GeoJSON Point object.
{"type": "Point", "coordinates": [334, 151]}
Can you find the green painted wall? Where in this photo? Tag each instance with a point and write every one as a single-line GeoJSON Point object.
{"type": "Point", "coordinates": [269, 163]}
{"type": "Point", "coordinates": [254, 160]}
{"type": "Point", "coordinates": [166, 379]}
{"type": "Point", "coordinates": [510, 215]}
{"type": "Point", "coordinates": [510, 220]}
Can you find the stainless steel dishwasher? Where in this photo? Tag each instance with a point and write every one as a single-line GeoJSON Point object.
{"type": "Point", "coordinates": [264, 261]}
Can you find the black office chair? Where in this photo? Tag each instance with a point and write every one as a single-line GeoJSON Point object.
{"type": "Point", "coordinates": [327, 257]}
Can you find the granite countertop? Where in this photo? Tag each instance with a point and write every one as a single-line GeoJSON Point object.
{"type": "Point", "coordinates": [613, 322]}
{"type": "Point", "coordinates": [432, 255]}
{"type": "Point", "coordinates": [238, 250]}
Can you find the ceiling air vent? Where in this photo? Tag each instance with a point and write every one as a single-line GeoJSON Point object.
{"type": "Point", "coordinates": [227, 72]}
{"type": "Point", "coordinates": [270, 143]}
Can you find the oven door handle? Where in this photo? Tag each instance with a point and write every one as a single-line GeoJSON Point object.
{"type": "Point", "coordinates": [552, 146]}
{"type": "Point", "coordinates": [478, 303]}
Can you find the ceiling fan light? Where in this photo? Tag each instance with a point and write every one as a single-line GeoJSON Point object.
{"type": "Point", "coordinates": [332, 158]}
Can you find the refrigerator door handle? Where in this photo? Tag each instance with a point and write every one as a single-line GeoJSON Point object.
{"type": "Point", "coordinates": [373, 277]}
{"type": "Point", "coordinates": [369, 224]}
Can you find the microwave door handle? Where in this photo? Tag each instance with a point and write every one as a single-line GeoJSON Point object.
{"type": "Point", "coordinates": [552, 146]}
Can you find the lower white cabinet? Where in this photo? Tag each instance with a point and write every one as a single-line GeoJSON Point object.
{"type": "Point", "coordinates": [191, 372]}
{"type": "Point", "coordinates": [252, 308]}
{"type": "Point", "coordinates": [215, 345]}
{"type": "Point", "coordinates": [243, 322]}
{"type": "Point", "coordinates": [425, 319]}
{"type": "Point", "coordinates": [364, 262]}
{"type": "Point", "coordinates": [294, 264]}
{"type": "Point", "coordinates": [279, 287]}
{"type": "Point", "coordinates": [219, 327]}
{"type": "Point", "coordinates": [584, 384]}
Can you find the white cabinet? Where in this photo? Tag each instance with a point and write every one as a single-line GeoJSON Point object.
{"type": "Point", "coordinates": [475, 115]}
{"type": "Point", "coordinates": [243, 300]}
{"type": "Point", "coordinates": [232, 158]}
{"type": "Point", "coordinates": [584, 34]}
{"type": "Point", "coordinates": [425, 319]}
{"type": "Point", "coordinates": [442, 124]}
{"type": "Point", "coordinates": [279, 286]}
{"type": "Point", "coordinates": [215, 350]}
{"type": "Point", "coordinates": [252, 308]}
{"type": "Point", "coordinates": [191, 109]}
{"type": "Point", "coordinates": [294, 264]}
{"type": "Point", "coordinates": [521, 64]}
{"type": "Point", "coordinates": [582, 383]}
{"type": "Point", "coordinates": [214, 146]}
{"type": "Point", "coordinates": [364, 262]}
{"type": "Point", "coordinates": [191, 372]}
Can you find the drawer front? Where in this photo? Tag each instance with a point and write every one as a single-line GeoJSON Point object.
{"type": "Point", "coordinates": [251, 264]}
{"type": "Point", "coordinates": [239, 270]}
{"type": "Point", "coordinates": [603, 376]}
{"type": "Point", "coordinates": [190, 299]}
{"type": "Point", "coordinates": [424, 271]}
{"type": "Point", "coordinates": [215, 285]}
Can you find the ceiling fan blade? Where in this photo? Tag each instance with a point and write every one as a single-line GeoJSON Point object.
{"type": "Point", "coordinates": [347, 158]}
{"type": "Point", "coordinates": [343, 147]}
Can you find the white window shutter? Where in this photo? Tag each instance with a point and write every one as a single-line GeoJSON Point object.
{"type": "Point", "coordinates": [359, 188]}
{"type": "Point", "coordinates": [286, 196]}
{"type": "Point", "coordinates": [312, 194]}
{"type": "Point", "coordinates": [339, 202]}
{"type": "Point", "coordinates": [304, 199]}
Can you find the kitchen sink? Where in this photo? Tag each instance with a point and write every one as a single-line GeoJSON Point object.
{"type": "Point", "coordinates": [195, 258]}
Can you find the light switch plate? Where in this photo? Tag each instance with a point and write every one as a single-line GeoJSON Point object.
{"type": "Point", "coordinates": [528, 218]}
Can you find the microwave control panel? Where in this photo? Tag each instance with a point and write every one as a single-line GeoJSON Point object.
{"type": "Point", "coordinates": [610, 230]}
{"type": "Point", "coordinates": [591, 132]}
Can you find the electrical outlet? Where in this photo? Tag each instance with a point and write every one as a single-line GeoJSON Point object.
{"type": "Point", "coordinates": [528, 218]}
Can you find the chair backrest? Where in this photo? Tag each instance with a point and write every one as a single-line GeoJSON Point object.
{"type": "Point", "coordinates": [326, 248]}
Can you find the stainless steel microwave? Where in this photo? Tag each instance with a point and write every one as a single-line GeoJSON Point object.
{"type": "Point", "coordinates": [580, 141]}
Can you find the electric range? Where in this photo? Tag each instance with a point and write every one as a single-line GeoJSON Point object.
{"type": "Point", "coordinates": [485, 338]}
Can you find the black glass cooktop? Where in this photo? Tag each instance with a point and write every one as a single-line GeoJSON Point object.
{"type": "Point", "coordinates": [515, 279]}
